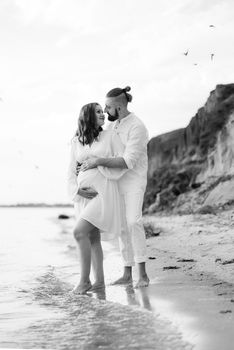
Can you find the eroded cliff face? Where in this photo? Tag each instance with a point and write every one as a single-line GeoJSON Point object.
{"type": "Point", "coordinates": [220, 160]}
{"type": "Point", "coordinates": [183, 159]}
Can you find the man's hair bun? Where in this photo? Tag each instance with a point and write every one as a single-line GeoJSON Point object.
{"type": "Point", "coordinates": [128, 96]}
{"type": "Point", "coordinates": [117, 92]}
{"type": "Point", "coordinates": [127, 88]}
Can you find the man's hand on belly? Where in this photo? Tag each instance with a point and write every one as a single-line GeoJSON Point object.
{"type": "Point", "coordinates": [87, 192]}
{"type": "Point", "coordinates": [90, 163]}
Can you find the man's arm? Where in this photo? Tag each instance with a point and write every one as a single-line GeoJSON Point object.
{"type": "Point", "coordinates": [136, 146]}
{"type": "Point", "coordinates": [117, 162]}
{"type": "Point", "coordinates": [91, 163]}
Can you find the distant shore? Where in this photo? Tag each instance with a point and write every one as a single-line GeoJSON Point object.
{"type": "Point", "coordinates": [37, 205]}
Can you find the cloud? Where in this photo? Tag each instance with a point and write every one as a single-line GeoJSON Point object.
{"type": "Point", "coordinates": [200, 6]}
{"type": "Point", "coordinates": [31, 10]}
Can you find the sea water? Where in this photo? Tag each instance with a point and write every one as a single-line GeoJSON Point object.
{"type": "Point", "coordinates": [38, 269]}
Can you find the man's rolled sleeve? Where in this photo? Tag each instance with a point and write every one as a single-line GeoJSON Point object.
{"type": "Point", "coordinates": [136, 145]}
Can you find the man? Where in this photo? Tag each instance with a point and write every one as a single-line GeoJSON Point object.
{"type": "Point", "coordinates": [132, 185]}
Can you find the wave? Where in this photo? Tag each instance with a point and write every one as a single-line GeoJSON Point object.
{"type": "Point", "coordinates": [82, 322]}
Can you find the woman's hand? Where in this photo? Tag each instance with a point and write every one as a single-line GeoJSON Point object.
{"type": "Point", "coordinates": [78, 165]}
{"type": "Point", "coordinates": [87, 192]}
{"type": "Point", "coordinates": [89, 164]}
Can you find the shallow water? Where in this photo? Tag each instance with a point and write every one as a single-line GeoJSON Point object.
{"type": "Point", "coordinates": [39, 267]}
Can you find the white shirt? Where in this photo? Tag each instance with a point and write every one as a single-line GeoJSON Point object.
{"type": "Point", "coordinates": [134, 136]}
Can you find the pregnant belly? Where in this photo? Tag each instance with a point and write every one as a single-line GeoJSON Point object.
{"type": "Point", "coordinates": [89, 178]}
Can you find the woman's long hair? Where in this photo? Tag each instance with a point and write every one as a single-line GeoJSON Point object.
{"type": "Point", "coordinates": [87, 130]}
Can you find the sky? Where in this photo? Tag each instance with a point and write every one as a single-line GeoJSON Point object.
{"type": "Point", "coordinates": [57, 55]}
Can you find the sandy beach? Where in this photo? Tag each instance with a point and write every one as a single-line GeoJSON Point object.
{"type": "Point", "coordinates": [192, 263]}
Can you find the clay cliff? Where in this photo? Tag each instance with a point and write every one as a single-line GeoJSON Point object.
{"type": "Point", "coordinates": [196, 156]}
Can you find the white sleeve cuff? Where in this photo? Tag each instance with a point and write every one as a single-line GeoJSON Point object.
{"type": "Point", "coordinates": [128, 162]}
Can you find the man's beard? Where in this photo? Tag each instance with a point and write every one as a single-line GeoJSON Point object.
{"type": "Point", "coordinates": [112, 118]}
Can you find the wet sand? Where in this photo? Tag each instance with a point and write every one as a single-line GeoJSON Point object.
{"type": "Point", "coordinates": [187, 305]}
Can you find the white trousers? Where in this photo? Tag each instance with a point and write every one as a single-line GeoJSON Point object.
{"type": "Point", "coordinates": [132, 241]}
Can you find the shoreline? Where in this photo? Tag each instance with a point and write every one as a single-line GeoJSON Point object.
{"type": "Point", "coordinates": [196, 296]}
{"type": "Point", "coordinates": [191, 263]}
{"type": "Point", "coordinates": [188, 307]}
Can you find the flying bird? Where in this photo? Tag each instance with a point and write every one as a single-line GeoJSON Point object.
{"type": "Point", "coordinates": [36, 167]}
{"type": "Point", "coordinates": [186, 53]}
{"type": "Point", "coordinates": [212, 56]}
{"type": "Point", "coordinates": [195, 64]}
{"type": "Point", "coordinates": [211, 26]}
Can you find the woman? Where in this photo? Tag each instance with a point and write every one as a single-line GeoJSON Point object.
{"type": "Point", "coordinates": [102, 213]}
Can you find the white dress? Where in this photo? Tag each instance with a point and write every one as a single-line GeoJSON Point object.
{"type": "Point", "coordinates": [103, 211]}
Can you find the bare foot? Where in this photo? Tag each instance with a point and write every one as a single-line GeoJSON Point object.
{"type": "Point", "coordinates": [82, 287]}
{"type": "Point", "coordinates": [97, 286]}
{"type": "Point", "coordinates": [143, 282]}
{"type": "Point", "coordinates": [123, 280]}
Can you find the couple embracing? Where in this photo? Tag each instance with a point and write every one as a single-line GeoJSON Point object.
{"type": "Point", "coordinates": [108, 188]}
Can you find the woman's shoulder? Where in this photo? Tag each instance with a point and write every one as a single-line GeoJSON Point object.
{"type": "Point", "coordinates": [104, 136]}
{"type": "Point", "coordinates": [74, 140]}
